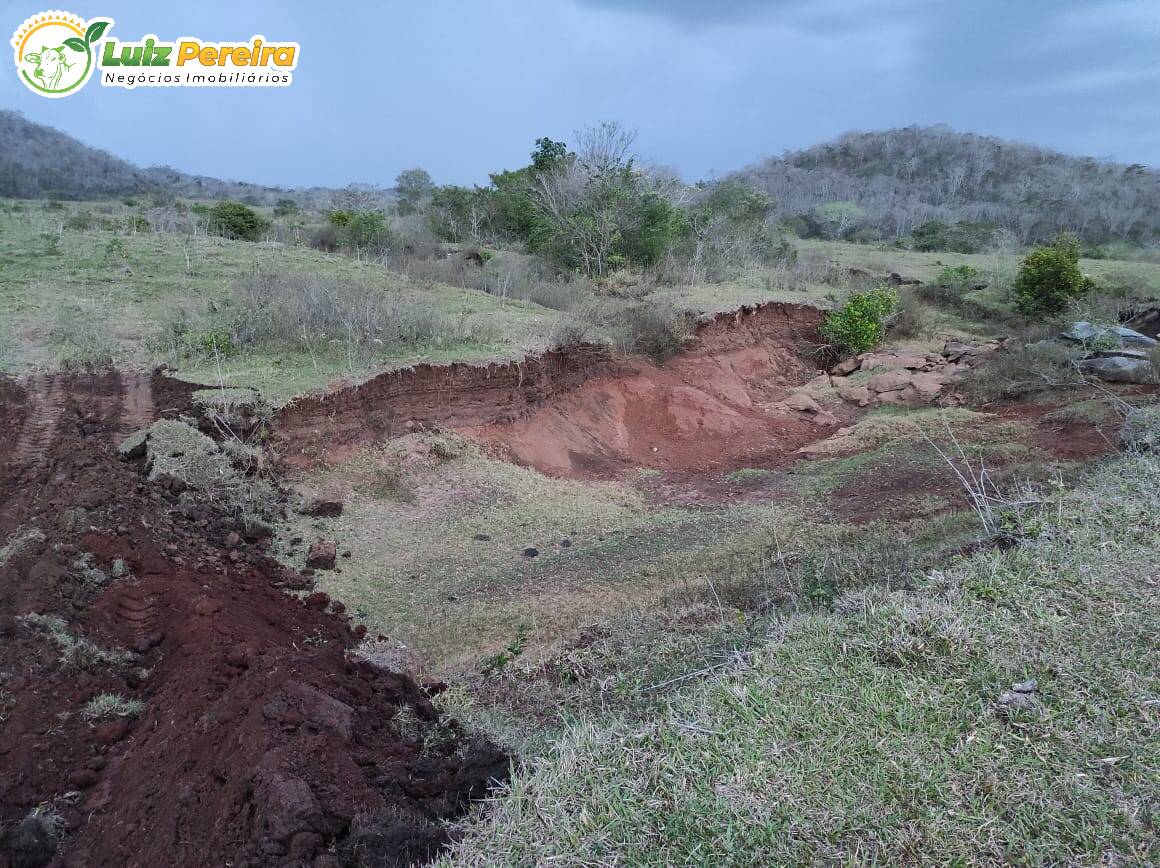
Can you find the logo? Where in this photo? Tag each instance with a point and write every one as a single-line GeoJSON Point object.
{"type": "Point", "coordinates": [57, 53]}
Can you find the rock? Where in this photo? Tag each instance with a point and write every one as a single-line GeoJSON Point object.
{"type": "Point", "coordinates": [133, 446]}
{"type": "Point", "coordinates": [1028, 686]}
{"type": "Point", "coordinates": [321, 555]}
{"type": "Point", "coordinates": [846, 367]}
{"type": "Point", "coordinates": [802, 402]}
{"type": "Point", "coordinates": [1120, 369]}
{"type": "Point", "coordinates": [891, 381]}
{"type": "Point", "coordinates": [955, 351]}
{"type": "Point", "coordinates": [7, 625]}
{"type": "Point", "coordinates": [1086, 333]}
{"type": "Point", "coordinates": [1141, 430]}
{"type": "Point", "coordinates": [855, 394]}
{"type": "Point", "coordinates": [318, 505]}
{"type": "Point", "coordinates": [1080, 332]}
{"type": "Point", "coordinates": [1013, 700]}
{"type": "Point", "coordinates": [531, 552]}
{"type": "Point", "coordinates": [1132, 338]}
{"type": "Point", "coordinates": [296, 581]}
{"type": "Point", "coordinates": [482, 537]}
{"type": "Point", "coordinates": [30, 845]}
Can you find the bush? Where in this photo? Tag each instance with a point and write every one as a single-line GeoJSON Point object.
{"type": "Point", "coordinates": [1050, 277]}
{"type": "Point", "coordinates": [956, 276]}
{"type": "Point", "coordinates": [909, 318]}
{"type": "Point", "coordinates": [285, 208]}
{"type": "Point", "coordinates": [324, 313]}
{"type": "Point", "coordinates": [860, 324]}
{"type": "Point", "coordinates": [235, 220]}
{"type": "Point", "coordinates": [655, 329]}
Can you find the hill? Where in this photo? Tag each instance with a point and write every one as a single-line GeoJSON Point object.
{"type": "Point", "coordinates": [39, 161]}
{"type": "Point", "coordinates": [901, 178]}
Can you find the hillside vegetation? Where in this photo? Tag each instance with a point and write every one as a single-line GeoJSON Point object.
{"type": "Point", "coordinates": [884, 185]}
{"type": "Point", "coordinates": [39, 161]}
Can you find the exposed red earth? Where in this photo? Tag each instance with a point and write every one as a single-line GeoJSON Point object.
{"type": "Point", "coordinates": [260, 740]}
{"type": "Point", "coordinates": [587, 412]}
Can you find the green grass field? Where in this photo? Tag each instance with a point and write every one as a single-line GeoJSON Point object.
{"type": "Point", "coordinates": [885, 731]}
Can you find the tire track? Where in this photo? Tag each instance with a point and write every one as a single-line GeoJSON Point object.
{"type": "Point", "coordinates": [46, 396]}
{"type": "Point", "coordinates": [137, 410]}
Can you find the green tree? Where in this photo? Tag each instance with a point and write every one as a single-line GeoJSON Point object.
{"type": "Point", "coordinates": [838, 218]}
{"type": "Point", "coordinates": [860, 324]}
{"type": "Point", "coordinates": [413, 186]}
{"type": "Point", "coordinates": [235, 220]}
{"type": "Point", "coordinates": [1050, 277]}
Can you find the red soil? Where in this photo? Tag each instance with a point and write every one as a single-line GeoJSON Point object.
{"type": "Point", "coordinates": [712, 407]}
{"type": "Point", "coordinates": [586, 412]}
{"type": "Point", "coordinates": [261, 742]}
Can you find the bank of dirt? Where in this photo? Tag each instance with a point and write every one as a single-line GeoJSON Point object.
{"type": "Point", "coordinates": [589, 412]}
{"type": "Point", "coordinates": [260, 738]}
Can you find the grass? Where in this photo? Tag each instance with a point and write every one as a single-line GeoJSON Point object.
{"type": "Point", "coordinates": [74, 651]}
{"type": "Point", "coordinates": [105, 705]}
{"type": "Point", "coordinates": [874, 733]}
{"type": "Point", "coordinates": [109, 292]}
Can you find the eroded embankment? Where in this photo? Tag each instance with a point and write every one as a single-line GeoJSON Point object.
{"type": "Point", "coordinates": [163, 700]}
{"type": "Point", "coordinates": [587, 411]}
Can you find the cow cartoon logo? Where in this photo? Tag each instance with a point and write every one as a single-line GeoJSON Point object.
{"type": "Point", "coordinates": [56, 52]}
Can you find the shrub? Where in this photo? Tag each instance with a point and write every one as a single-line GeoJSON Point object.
{"type": "Point", "coordinates": [956, 275]}
{"type": "Point", "coordinates": [909, 318]}
{"type": "Point", "coordinates": [237, 221]}
{"type": "Point", "coordinates": [655, 329]}
{"type": "Point", "coordinates": [285, 208]}
{"type": "Point", "coordinates": [318, 312]}
{"type": "Point", "coordinates": [860, 324]}
{"type": "Point", "coordinates": [1050, 277]}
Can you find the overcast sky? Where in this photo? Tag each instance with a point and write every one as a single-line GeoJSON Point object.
{"type": "Point", "coordinates": [463, 88]}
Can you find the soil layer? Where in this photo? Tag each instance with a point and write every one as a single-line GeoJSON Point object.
{"type": "Point", "coordinates": [259, 738]}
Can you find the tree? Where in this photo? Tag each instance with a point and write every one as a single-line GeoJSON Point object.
{"type": "Point", "coordinates": [413, 187]}
{"type": "Point", "coordinates": [235, 220]}
{"type": "Point", "coordinates": [838, 218]}
{"type": "Point", "coordinates": [1050, 277]}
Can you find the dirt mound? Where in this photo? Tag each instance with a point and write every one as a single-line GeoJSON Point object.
{"type": "Point", "coordinates": [722, 402]}
{"type": "Point", "coordinates": [163, 701]}
{"type": "Point", "coordinates": [586, 411]}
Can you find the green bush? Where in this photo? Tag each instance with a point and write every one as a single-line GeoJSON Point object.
{"type": "Point", "coordinates": [1050, 277]}
{"type": "Point", "coordinates": [860, 324]}
{"type": "Point", "coordinates": [956, 275]}
{"type": "Point", "coordinates": [235, 220]}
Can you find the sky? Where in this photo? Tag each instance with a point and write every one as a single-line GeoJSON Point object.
{"type": "Point", "coordinates": [464, 88]}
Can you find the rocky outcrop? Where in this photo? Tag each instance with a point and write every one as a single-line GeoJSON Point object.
{"type": "Point", "coordinates": [900, 377]}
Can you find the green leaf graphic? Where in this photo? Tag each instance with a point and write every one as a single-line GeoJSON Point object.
{"type": "Point", "coordinates": [96, 31]}
{"type": "Point", "coordinates": [76, 44]}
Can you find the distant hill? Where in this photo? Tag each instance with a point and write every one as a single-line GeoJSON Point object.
{"type": "Point", "coordinates": [902, 178]}
{"type": "Point", "coordinates": [39, 161]}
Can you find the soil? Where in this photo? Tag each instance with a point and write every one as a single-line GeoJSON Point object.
{"type": "Point", "coordinates": [262, 741]}
{"type": "Point", "coordinates": [586, 412]}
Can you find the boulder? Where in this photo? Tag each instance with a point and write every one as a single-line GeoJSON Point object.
{"type": "Point", "coordinates": [1119, 369]}
{"type": "Point", "coordinates": [855, 394]}
{"type": "Point", "coordinates": [955, 351]}
{"type": "Point", "coordinates": [802, 403]}
{"type": "Point", "coordinates": [321, 555]}
{"type": "Point", "coordinates": [846, 366]}
{"type": "Point", "coordinates": [1086, 333]}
